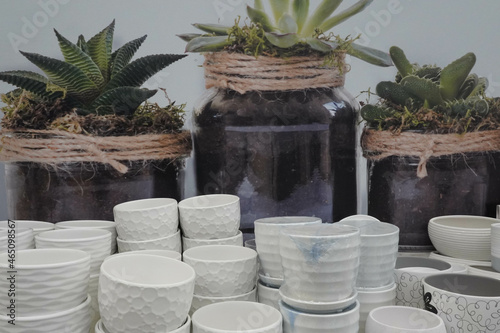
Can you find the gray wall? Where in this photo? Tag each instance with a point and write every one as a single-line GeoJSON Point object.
{"type": "Point", "coordinates": [430, 31]}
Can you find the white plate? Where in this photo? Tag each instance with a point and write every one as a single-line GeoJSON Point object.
{"type": "Point", "coordinates": [319, 307]}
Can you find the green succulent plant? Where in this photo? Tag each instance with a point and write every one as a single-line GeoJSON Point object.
{"type": "Point", "coordinates": [93, 79]}
{"type": "Point", "coordinates": [451, 91]}
{"type": "Point", "coordinates": [290, 26]}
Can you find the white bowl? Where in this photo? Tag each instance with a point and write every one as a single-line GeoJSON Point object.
{"type": "Point", "coordinates": [210, 216]}
{"type": "Point", "coordinates": [237, 317]}
{"type": "Point", "coordinates": [451, 260]}
{"type": "Point", "coordinates": [371, 299]}
{"type": "Point", "coordinates": [94, 304]}
{"type": "Point", "coordinates": [46, 280]}
{"type": "Point", "coordinates": [185, 328]}
{"type": "Point", "coordinates": [267, 232]}
{"type": "Point", "coordinates": [401, 319]}
{"type": "Point", "coordinates": [37, 226]}
{"type": "Point", "coordinates": [483, 271]}
{"type": "Point", "coordinates": [146, 219]}
{"type": "Point", "coordinates": [172, 242]}
{"type": "Point", "coordinates": [222, 270]}
{"type": "Point", "coordinates": [201, 301]}
{"type": "Point", "coordinates": [16, 239]}
{"type": "Point", "coordinates": [320, 264]}
{"type": "Point", "coordinates": [91, 224]}
{"type": "Point", "coordinates": [345, 321]}
{"type": "Point", "coordinates": [74, 320]}
{"type": "Point", "coordinates": [144, 293]}
{"type": "Point", "coordinates": [96, 242]}
{"type": "Point", "coordinates": [466, 303]}
{"type": "Point", "coordinates": [188, 243]}
{"type": "Point", "coordinates": [268, 295]}
{"type": "Point", "coordinates": [379, 251]}
{"type": "Point", "coordinates": [462, 236]}
{"type": "Point", "coordinates": [409, 273]}
{"type": "Point", "coordinates": [162, 253]}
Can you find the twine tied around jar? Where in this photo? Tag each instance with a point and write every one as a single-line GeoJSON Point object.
{"type": "Point", "coordinates": [378, 145]}
{"type": "Point", "coordinates": [244, 73]}
{"type": "Point", "coordinates": [52, 147]}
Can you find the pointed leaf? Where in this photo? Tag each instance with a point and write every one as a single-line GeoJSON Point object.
{"type": "Point", "coordinates": [121, 100]}
{"type": "Point", "coordinates": [188, 37]}
{"type": "Point", "coordinates": [322, 12]}
{"type": "Point", "coordinates": [454, 75]}
{"type": "Point", "coordinates": [100, 49]}
{"type": "Point", "coordinates": [279, 8]}
{"type": "Point", "coordinates": [122, 56]}
{"type": "Point", "coordinates": [75, 56]}
{"type": "Point", "coordinates": [208, 44]}
{"type": "Point", "coordinates": [30, 81]}
{"type": "Point", "coordinates": [321, 45]}
{"type": "Point", "coordinates": [258, 5]}
{"type": "Point", "coordinates": [82, 44]}
{"type": "Point", "coordinates": [217, 29]}
{"type": "Point", "coordinates": [371, 56]}
{"type": "Point", "coordinates": [287, 24]}
{"type": "Point", "coordinates": [424, 89]}
{"type": "Point", "coordinates": [258, 16]}
{"type": "Point", "coordinates": [140, 70]}
{"type": "Point", "coordinates": [282, 40]}
{"type": "Point", "coordinates": [66, 76]}
{"type": "Point", "coordinates": [300, 12]}
{"type": "Point", "coordinates": [402, 63]}
{"type": "Point", "coordinates": [480, 88]}
{"type": "Point", "coordinates": [344, 15]}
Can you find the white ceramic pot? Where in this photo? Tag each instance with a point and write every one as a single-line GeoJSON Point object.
{"type": "Point", "coordinates": [162, 253]}
{"type": "Point", "coordinates": [320, 265]}
{"type": "Point", "coordinates": [74, 320]}
{"type": "Point", "coordinates": [268, 295]}
{"type": "Point", "coordinates": [495, 246]}
{"type": "Point", "coordinates": [237, 317]}
{"type": "Point", "coordinates": [16, 239]}
{"type": "Point", "coordinates": [295, 321]}
{"type": "Point", "coordinates": [401, 319]}
{"type": "Point", "coordinates": [94, 304]}
{"type": "Point", "coordinates": [91, 224]}
{"type": "Point", "coordinates": [210, 216]}
{"type": "Point", "coordinates": [143, 293]}
{"type": "Point", "coordinates": [37, 226]}
{"type": "Point", "coordinates": [172, 242]}
{"type": "Point", "coordinates": [46, 280]}
{"type": "Point", "coordinates": [267, 232]}
{"type": "Point", "coordinates": [185, 328]}
{"type": "Point", "coordinates": [370, 299]}
{"type": "Point", "coordinates": [96, 242]}
{"type": "Point", "coordinates": [146, 219]}
{"type": "Point", "coordinates": [466, 303]}
{"type": "Point", "coordinates": [201, 301]}
{"type": "Point", "coordinates": [222, 270]}
{"type": "Point", "coordinates": [379, 251]}
{"type": "Point", "coordinates": [188, 243]}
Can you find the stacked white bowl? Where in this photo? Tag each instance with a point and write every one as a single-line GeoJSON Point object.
{"type": "Point", "coordinates": [16, 238]}
{"type": "Point", "coordinates": [48, 291]}
{"type": "Point", "coordinates": [37, 226]}
{"type": "Point", "coordinates": [495, 246]}
{"type": "Point", "coordinates": [210, 220]}
{"type": "Point", "coordinates": [91, 224]}
{"type": "Point", "coordinates": [223, 273]}
{"type": "Point", "coordinates": [148, 224]}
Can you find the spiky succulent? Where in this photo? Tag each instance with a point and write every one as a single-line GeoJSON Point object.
{"type": "Point", "coordinates": [290, 26]}
{"type": "Point", "coordinates": [93, 79]}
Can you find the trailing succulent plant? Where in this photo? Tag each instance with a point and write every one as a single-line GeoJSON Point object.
{"type": "Point", "coordinates": [421, 95]}
{"type": "Point", "coordinates": [289, 30]}
{"type": "Point", "coordinates": [92, 79]}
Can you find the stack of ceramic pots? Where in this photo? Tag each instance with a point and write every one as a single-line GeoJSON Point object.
{"type": "Point", "coordinates": [379, 250]}
{"type": "Point", "coordinates": [46, 291]}
{"type": "Point", "coordinates": [37, 226]}
{"type": "Point", "coordinates": [18, 239]}
{"type": "Point", "coordinates": [210, 220]}
{"type": "Point", "coordinates": [148, 224]}
{"type": "Point", "coordinates": [223, 273]}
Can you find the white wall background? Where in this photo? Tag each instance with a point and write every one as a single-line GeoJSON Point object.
{"type": "Point", "coordinates": [430, 31]}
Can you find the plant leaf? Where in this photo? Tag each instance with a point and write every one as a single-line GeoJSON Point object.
{"type": "Point", "coordinates": [321, 45]}
{"type": "Point", "coordinates": [140, 70]}
{"type": "Point", "coordinates": [122, 56]}
{"type": "Point", "coordinates": [75, 56]}
{"type": "Point", "coordinates": [82, 44]}
{"type": "Point", "coordinates": [30, 81]}
{"type": "Point", "coordinates": [279, 7]}
{"type": "Point", "coordinates": [282, 40]}
{"type": "Point", "coordinates": [208, 44]}
{"type": "Point", "coordinates": [122, 100]}
{"type": "Point", "coordinates": [217, 29]}
{"type": "Point", "coordinates": [188, 37]}
{"type": "Point", "coordinates": [287, 24]}
{"type": "Point", "coordinates": [300, 12]}
{"type": "Point", "coordinates": [424, 89]}
{"type": "Point", "coordinates": [260, 17]}
{"type": "Point", "coordinates": [370, 55]}
{"type": "Point", "coordinates": [401, 62]}
{"type": "Point", "coordinates": [344, 15]}
{"type": "Point", "coordinates": [454, 75]}
{"type": "Point", "coordinates": [100, 49]}
{"type": "Point", "coordinates": [480, 88]}
{"type": "Point", "coordinates": [66, 76]}
{"type": "Point", "coordinates": [394, 92]}
{"type": "Point", "coordinates": [322, 12]}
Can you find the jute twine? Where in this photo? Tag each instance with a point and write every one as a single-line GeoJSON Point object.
{"type": "Point", "coordinates": [244, 73]}
{"type": "Point", "coordinates": [53, 147]}
{"type": "Point", "coordinates": [381, 144]}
